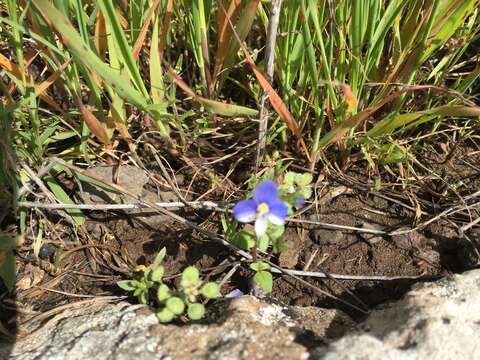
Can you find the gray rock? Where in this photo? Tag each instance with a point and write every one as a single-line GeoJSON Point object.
{"type": "Point", "coordinates": [128, 177]}
{"type": "Point", "coordinates": [152, 217]}
{"type": "Point", "coordinates": [133, 180]}
{"type": "Point", "coordinates": [434, 321]}
{"type": "Point", "coordinates": [241, 328]}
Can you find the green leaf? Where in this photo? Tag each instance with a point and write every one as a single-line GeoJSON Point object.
{"type": "Point", "coordinates": [392, 123]}
{"type": "Point", "coordinates": [124, 50]}
{"type": "Point", "coordinates": [163, 293]}
{"type": "Point", "coordinates": [143, 297]}
{"type": "Point", "coordinates": [264, 280]}
{"type": "Point", "coordinates": [210, 290]}
{"type": "Point", "coordinates": [305, 193]}
{"type": "Point", "coordinates": [128, 285]}
{"type": "Point", "coordinates": [225, 109]}
{"type": "Point", "coordinates": [394, 153]}
{"type": "Point", "coordinates": [165, 315]}
{"type": "Point", "coordinates": [175, 305]}
{"type": "Point", "coordinates": [159, 258]}
{"type": "Point", "coordinates": [7, 269]}
{"type": "Point", "coordinates": [62, 197]}
{"type": "Point", "coordinates": [263, 242]}
{"type": "Point", "coordinates": [244, 240]}
{"type": "Point", "coordinates": [304, 179]}
{"type": "Point", "coordinates": [259, 266]}
{"type": "Point", "coordinates": [7, 242]}
{"type": "Point", "coordinates": [196, 311]}
{"type": "Point", "coordinates": [156, 72]}
{"type": "Point", "coordinates": [157, 274]}
{"type": "Point", "coordinates": [137, 291]}
{"type": "Point", "coordinates": [289, 178]}
{"type": "Point", "coordinates": [276, 232]}
{"type": "Point", "coordinates": [82, 53]}
{"type": "Point", "coordinates": [190, 276]}
{"type": "Point", "coordinates": [37, 242]}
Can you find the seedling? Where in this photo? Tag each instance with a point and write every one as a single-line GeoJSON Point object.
{"type": "Point", "coordinates": [262, 277]}
{"type": "Point", "coordinates": [171, 303]}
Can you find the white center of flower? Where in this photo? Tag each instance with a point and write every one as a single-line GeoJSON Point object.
{"type": "Point", "coordinates": [263, 209]}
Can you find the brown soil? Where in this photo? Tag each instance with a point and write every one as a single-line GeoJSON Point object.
{"type": "Point", "coordinates": [113, 244]}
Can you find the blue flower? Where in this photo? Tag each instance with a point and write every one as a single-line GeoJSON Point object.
{"type": "Point", "coordinates": [299, 201]}
{"type": "Point", "coordinates": [265, 207]}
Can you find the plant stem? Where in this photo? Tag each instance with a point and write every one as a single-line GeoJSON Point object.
{"type": "Point", "coordinates": [269, 69]}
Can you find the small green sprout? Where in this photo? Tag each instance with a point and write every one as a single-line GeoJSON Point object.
{"type": "Point", "coordinates": [296, 188]}
{"type": "Point", "coordinates": [172, 303]}
{"type": "Point", "coordinates": [262, 277]}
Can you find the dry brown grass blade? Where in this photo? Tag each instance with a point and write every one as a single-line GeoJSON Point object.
{"type": "Point", "coordinates": [42, 87]}
{"type": "Point", "coordinates": [224, 34]}
{"type": "Point", "coordinates": [30, 55]}
{"type": "Point", "coordinates": [349, 98]}
{"type": "Point", "coordinates": [100, 39]}
{"type": "Point", "coordinates": [182, 84]}
{"type": "Point", "coordinates": [10, 67]}
{"type": "Point", "coordinates": [15, 70]}
{"type": "Point", "coordinates": [277, 102]}
{"type": "Point", "coordinates": [339, 132]}
{"type": "Point", "coordinates": [143, 33]}
{"type": "Point", "coordinates": [49, 100]}
{"type": "Point", "coordinates": [95, 126]}
{"type": "Point", "coordinates": [165, 26]}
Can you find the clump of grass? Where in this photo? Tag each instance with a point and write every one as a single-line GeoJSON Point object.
{"type": "Point", "coordinates": [373, 46]}
{"type": "Point", "coordinates": [334, 60]}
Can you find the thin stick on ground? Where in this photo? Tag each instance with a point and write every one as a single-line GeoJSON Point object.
{"type": "Point", "coordinates": [200, 205]}
{"type": "Point", "coordinates": [44, 170]}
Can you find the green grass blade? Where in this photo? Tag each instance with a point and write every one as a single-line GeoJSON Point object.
{"type": "Point", "coordinates": [63, 197]}
{"type": "Point", "coordinates": [85, 55]}
{"type": "Point", "coordinates": [124, 50]}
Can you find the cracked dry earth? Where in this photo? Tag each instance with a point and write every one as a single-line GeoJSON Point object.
{"type": "Point", "coordinates": [438, 320]}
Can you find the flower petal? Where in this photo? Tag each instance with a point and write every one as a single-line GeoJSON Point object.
{"type": "Point", "coordinates": [299, 201]}
{"type": "Point", "coordinates": [261, 225]}
{"type": "Point", "coordinates": [245, 211]}
{"type": "Point", "coordinates": [278, 212]}
{"type": "Point", "coordinates": [265, 192]}
{"type": "Point", "coordinates": [234, 293]}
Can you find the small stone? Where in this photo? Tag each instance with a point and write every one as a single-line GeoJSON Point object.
{"type": "Point", "coordinates": [328, 237]}
{"type": "Point", "coordinates": [47, 251]}
{"type": "Point", "coordinates": [369, 237]}
{"type": "Point", "coordinates": [430, 256]}
{"type": "Point", "coordinates": [152, 217]}
{"type": "Point", "coordinates": [128, 177]}
{"type": "Point", "coordinates": [410, 239]}
{"type": "Point", "coordinates": [402, 240]}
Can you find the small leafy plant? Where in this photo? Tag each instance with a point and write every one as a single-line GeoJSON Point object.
{"type": "Point", "coordinates": [171, 303]}
{"type": "Point", "coordinates": [262, 277]}
{"type": "Point", "coordinates": [268, 209]}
